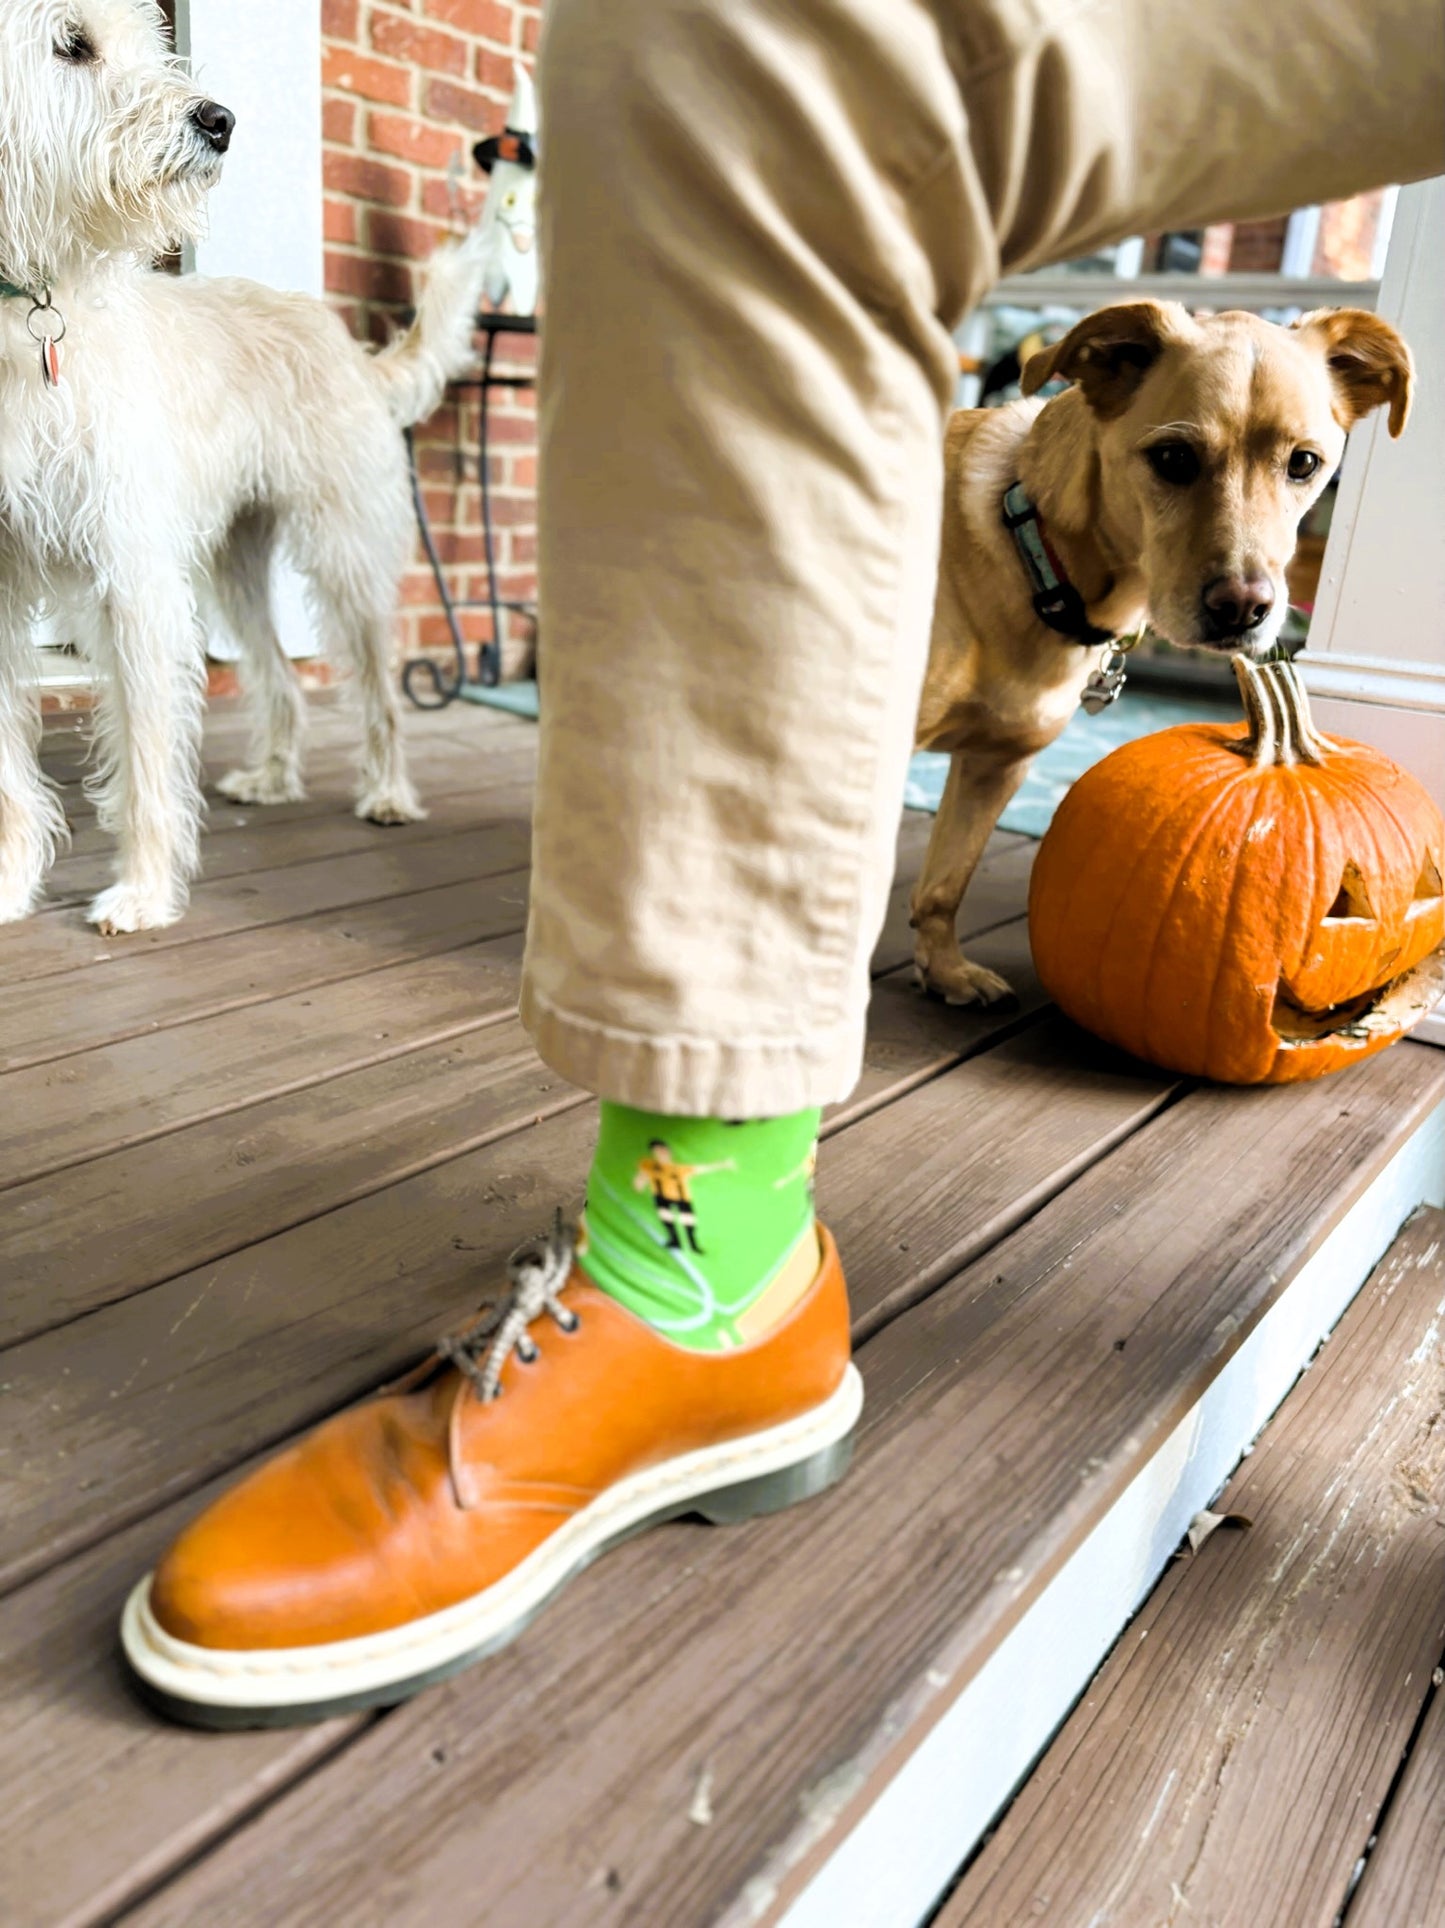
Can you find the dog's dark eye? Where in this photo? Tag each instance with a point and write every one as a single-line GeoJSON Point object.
{"type": "Point", "coordinates": [76, 46]}
{"type": "Point", "coordinates": [1174, 462]}
{"type": "Point", "coordinates": [1302, 465]}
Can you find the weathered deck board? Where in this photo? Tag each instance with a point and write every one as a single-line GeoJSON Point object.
{"type": "Point", "coordinates": [127, 1216]}
{"type": "Point", "coordinates": [44, 946]}
{"type": "Point", "coordinates": [123, 1223]}
{"type": "Point", "coordinates": [54, 1018]}
{"type": "Point", "coordinates": [271, 1138]}
{"type": "Point", "coordinates": [330, 793]}
{"type": "Point", "coordinates": [1229, 1762]}
{"type": "Point", "coordinates": [912, 1038]}
{"type": "Point", "coordinates": [1404, 1879]}
{"type": "Point", "coordinates": [125, 988]}
{"type": "Point", "coordinates": [793, 1661]}
{"type": "Point", "coordinates": [101, 1799]}
{"type": "Point", "coordinates": [259, 840]}
{"type": "Point", "coordinates": [56, 1115]}
{"type": "Point", "coordinates": [330, 763]}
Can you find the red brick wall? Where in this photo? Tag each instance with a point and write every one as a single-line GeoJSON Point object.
{"type": "Point", "coordinates": [1345, 245]}
{"type": "Point", "coordinates": [409, 87]}
{"type": "Point", "coordinates": [1348, 231]}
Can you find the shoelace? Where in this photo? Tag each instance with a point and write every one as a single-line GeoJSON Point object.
{"type": "Point", "coordinates": [537, 1271]}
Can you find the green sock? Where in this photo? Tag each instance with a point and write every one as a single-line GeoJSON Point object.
{"type": "Point", "coordinates": [703, 1229]}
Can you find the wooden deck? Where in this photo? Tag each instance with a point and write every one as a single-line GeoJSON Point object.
{"type": "Point", "coordinates": [252, 1165]}
{"type": "Point", "coordinates": [1273, 1710]}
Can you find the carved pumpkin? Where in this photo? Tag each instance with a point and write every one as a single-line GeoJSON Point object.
{"type": "Point", "coordinates": [1253, 903]}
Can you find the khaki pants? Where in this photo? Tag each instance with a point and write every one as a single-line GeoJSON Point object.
{"type": "Point", "coordinates": [762, 219]}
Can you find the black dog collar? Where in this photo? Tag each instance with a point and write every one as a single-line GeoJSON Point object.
{"type": "Point", "coordinates": [1056, 601]}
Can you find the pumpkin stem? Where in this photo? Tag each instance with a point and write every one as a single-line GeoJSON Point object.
{"type": "Point", "coordinates": [1281, 729]}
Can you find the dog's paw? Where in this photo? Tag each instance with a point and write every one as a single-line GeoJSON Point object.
{"type": "Point", "coordinates": [390, 806]}
{"type": "Point", "coordinates": [264, 785]}
{"type": "Point", "coordinates": [16, 903]}
{"type": "Point", "coordinates": [125, 907]}
{"type": "Point", "coordinates": [957, 981]}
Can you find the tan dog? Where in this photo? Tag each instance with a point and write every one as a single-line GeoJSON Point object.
{"type": "Point", "coordinates": [1169, 482]}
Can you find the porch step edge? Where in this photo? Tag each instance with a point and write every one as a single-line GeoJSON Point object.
{"type": "Point", "coordinates": [901, 1856]}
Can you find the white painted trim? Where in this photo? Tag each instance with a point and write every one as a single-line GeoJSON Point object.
{"type": "Point", "coordinates": [1129, 258]}
{"type": "Point", "coordinates": [1383, 577]}
{"type": "Point", "coordinates": [891, 1871]}
{"type": "Point", "coordinates": [263, 61]}
{"type": "Point", "coordinates": [1382, 583]}
{"type": "Point", "coordinates": [1301, 233]}
{"type": "Point", "coordinates": [1051, 287]}
{"type": "Point", "coordinates": [1391, 682]}
{"type": "Point", "coordinates": [1384, 229]}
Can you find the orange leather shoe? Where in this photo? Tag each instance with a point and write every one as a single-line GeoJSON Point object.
{"type": "Point", "coordinates": [415, 1533]}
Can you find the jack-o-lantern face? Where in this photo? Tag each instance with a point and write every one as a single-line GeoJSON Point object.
{"type": "Point", "coordinates": [1359, 943]}
{"type": "Point", "coordinates": [1255, 905]}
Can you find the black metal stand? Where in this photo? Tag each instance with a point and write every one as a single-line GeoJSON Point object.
{"type": "Point", "coordinates": [422, 670]}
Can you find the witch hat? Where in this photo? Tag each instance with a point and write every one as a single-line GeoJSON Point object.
{"type": "Point", "coordinates": [517, 141]}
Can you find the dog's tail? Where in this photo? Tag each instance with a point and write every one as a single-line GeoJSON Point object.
{"type": "Point", "coordinates": [437, 348]}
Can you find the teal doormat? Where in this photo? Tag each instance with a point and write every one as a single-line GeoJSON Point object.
{"type": "Point", "coordinates": [518, 698]}
{"type": "Point", "coordinates": [1086, 741]}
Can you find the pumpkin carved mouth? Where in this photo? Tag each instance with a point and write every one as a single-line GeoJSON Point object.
{"type": "Point", "coordinates": [1389, 1005]}
{"type": "Point", "coordinates": [1395, 1006]}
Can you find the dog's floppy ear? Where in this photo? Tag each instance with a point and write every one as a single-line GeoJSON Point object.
{"type": "Point", "coordinates": [1368, 361]}
{"type": "Point", "coordinates": [1107, 354]}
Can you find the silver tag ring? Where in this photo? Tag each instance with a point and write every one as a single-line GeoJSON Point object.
{"type": "Point", "coordinates": [55, 332]}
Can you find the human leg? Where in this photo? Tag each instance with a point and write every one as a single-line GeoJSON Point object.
{"type": "Point", "coordinates": [777, 211]}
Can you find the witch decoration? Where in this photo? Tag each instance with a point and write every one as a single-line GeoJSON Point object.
{"type": "Point", "coordinates": [509, 218]}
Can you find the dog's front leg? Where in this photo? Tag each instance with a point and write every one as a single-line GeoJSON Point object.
{"type": "Point", "coordinates": [149, 731]}
{"type": "Point", "coordinates": [980, 783]}
{"type": "Point", "coordinates": [32, 823]}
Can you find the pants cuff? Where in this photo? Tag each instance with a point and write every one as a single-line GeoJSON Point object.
{"type": "Point", "coordinates": [693, 1077]}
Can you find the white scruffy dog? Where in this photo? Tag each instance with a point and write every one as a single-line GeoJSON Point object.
{"type": "Point", "coordinates": [194, 427]}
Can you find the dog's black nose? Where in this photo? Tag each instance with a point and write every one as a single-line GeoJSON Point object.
{"type": "Point", "coordinates": [217, 123]}
{"type": "Point", "coordinates": [1233, 605]}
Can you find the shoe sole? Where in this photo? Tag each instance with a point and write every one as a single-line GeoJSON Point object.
{"type": "Point", "coordinates": [284, 1687]}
